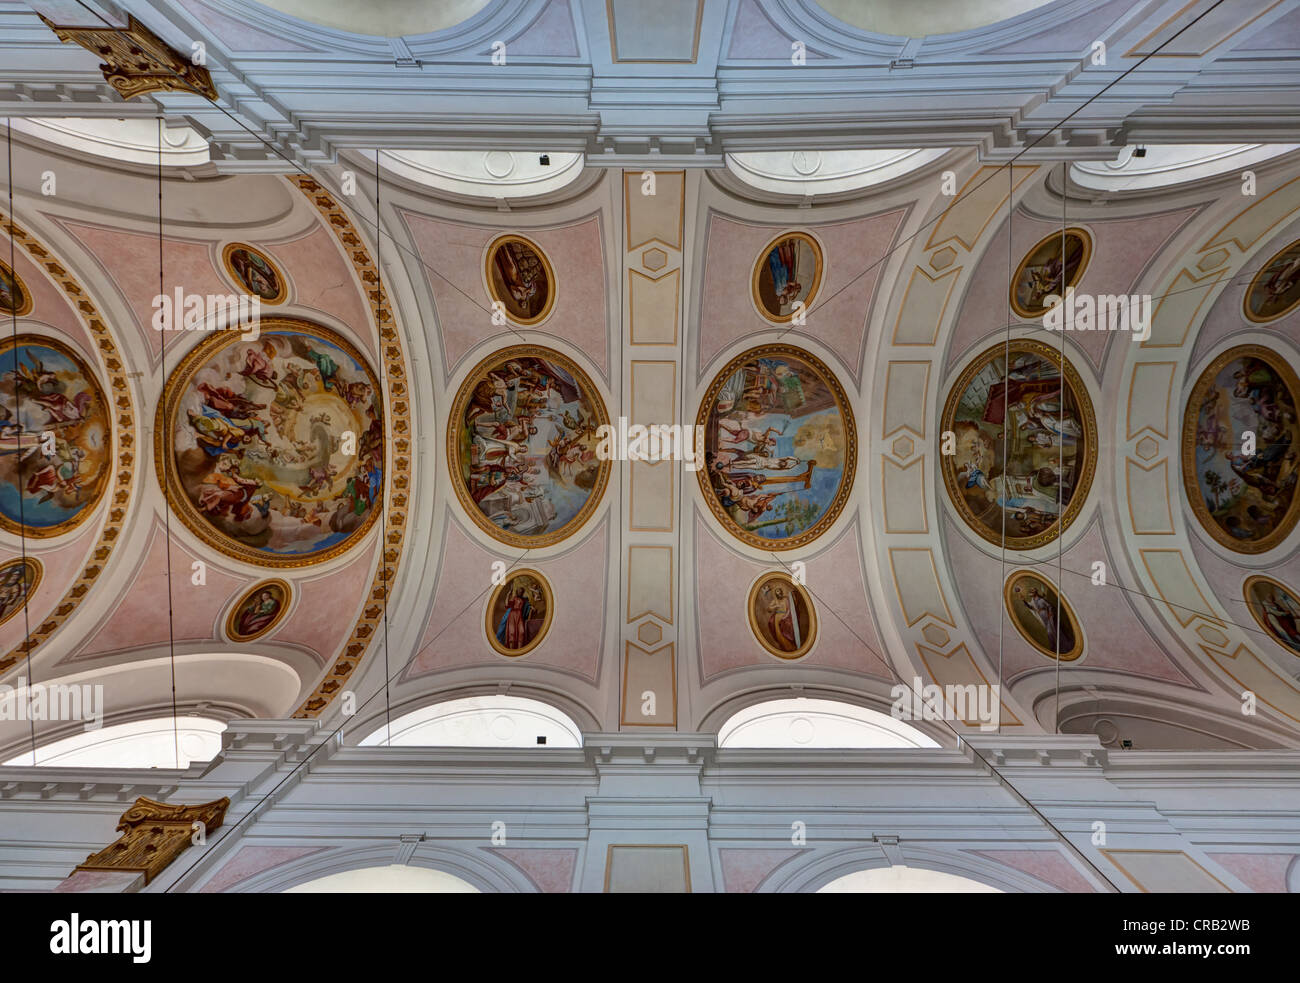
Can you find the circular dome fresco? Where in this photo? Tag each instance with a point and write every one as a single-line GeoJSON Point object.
{"type": "Point", "coordinates": [272, 450]}
{"type": "Point", "coordinates": [522, 446]}
{"type": "Point", "coordinates": [1024, 396]}
{"type": "Point", "coordinates": [57, 435]}
{"type": "Point", "coordinates": [780, 447]}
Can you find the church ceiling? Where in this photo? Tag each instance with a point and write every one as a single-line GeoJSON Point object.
{"type": "Point", "coordinates": [412, 462]}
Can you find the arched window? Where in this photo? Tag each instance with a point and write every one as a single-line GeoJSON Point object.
{"type": "Point", "coordinates": [393, 879]}
{"type": "Point", "coordinates": [1169, 164]}
{"type": "Point", "coordinates": [805, 723]}
{"type": "Point", "coordinates": [816, 172]}
{"type": "Point", "coordinates": [484, 174]}
{"type": "Point", "coordinates": [129, 140]}
{"type": "Point", "coordinates": [480, 721]}
{"type": "Point", "coordinates": [904, 880]}
{"type": "Point", "coordinates": [158, 742]}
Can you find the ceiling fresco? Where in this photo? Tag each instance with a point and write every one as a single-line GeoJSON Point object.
{"type": "Point", "coordinates": [390, 483]}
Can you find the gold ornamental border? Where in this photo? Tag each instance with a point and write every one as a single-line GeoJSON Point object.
{"type": "Point", "coordinates": [124, 436]}
{"type": "Point", "coordinates": [25, 307]}
{"type": "Point", "coordinates": [1082, 399]}
{"type": "Point", "coordinates": [247, 596]}
{"type": "Point", "coordinates": [818, 270]}
{"type": "Point", "coordinates": [101, 481]}
{"type": "Point", "coordinates": [1255, 282]}
{"type": "Point", "coordinates": [1078, 273]}
{"type": "Point", "coordinates": [174, 390]}
{"type": "Point", "coordinates": [850, 447]}
{"type": "Point", "coordinates": [397, 473]}
{"type": "Point", "coordinates": [794, 588]}
{"type": "Point", "coordinates": [552, 288]}
{"type": "Point", "coordinates": [1008, 589]}
{"type": "Point", "coordinates": [456, 421]}
{"type": "Point", "coordinates": [547, 593]}
{"type": "Point", "coordinates": [1246, 588]}
{"type": "Point", "coordinates": [1191, 416]}
{"type": "Point", "coordinates": [229, 251]}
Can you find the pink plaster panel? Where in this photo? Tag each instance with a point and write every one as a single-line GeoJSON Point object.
{"type": "Point", "coordinates": [250, 860]}
{"type": "Point", "coordinates": [1121, 252]}
{"type": "Point", "coordinates": [454, 634]}
{"type": "Point", "coordinates": [131, 261]}
{"type": "Point", "coordinates": [453, 257]}
{"type": "Point", "coordinates": [326, 605]}
{"type": "Point", "coordinates": [322, 279]}
{"type": "Point", "coordinates": [1115, 637]}
{"type": "Point", "coordinates": [744, 870]}
{"type": "Point", "coordinates": [61, 565]}
{"type": "Point", "coordinates": [852, 254]}
{"type": "Point", "coordinates": [140, 616]}
{"type": "Point", "coordinates": [846, 638]}
{"type": "Point", "coordinates": [1047, 865]}
{"type": "Point", "coordinates": [1263, 873]}
{"type": "Point", "coordinates": [550, 870]}
{"type": "Point", "coordinates": [50, 305]}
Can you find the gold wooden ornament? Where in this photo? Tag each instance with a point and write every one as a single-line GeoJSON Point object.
{"type": "Point", "coordinates": [154, 834]}
{"type": "Point", "coordinates": [137, 61]}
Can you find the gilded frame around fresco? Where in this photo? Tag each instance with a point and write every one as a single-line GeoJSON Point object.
{"type": "Point", "coordinates": [37, 570]}
{"type": "Point", "coordinates": [164, 430]}
{"type": "Point", "coordinates": [552, 288]}
{"type": "Point", "coordinates": [229, 251]}
{"type": "Point", "coordinates": [1250, 315]}
{"type": "Point", "coordinates": [1191, 418]}
{"type": "Point", "coordinates": [287, 592]}
{"type": "Point", "coordinates": [786, 581]}
{"type": "Point", "coordinates": [1083, 235]}
{"type": "Point", "coordinates": [1009, 587]}
{"type": "Point", "coordinates": [847, 476]}
{"type": "Point", "coordinates": [455, 422]}
{"type": "Point", "coordinates": [1246, 589]}
{"type": "Point", "coordinates": [1082, 399]}
{"type": "Point", "coordinates": [761, 260]}
{"type": "Point", "coordinates": [537, 639]}
{"type": "Point", "coordinates": [7, 345]}
{"type": "Point", "coordinates": [25, 307]}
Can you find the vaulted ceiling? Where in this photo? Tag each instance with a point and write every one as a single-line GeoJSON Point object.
{"type": "Point", "coordinates": [384, 263]}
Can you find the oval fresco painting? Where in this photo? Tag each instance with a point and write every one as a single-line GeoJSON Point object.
{"type": "Point", "coordinates": [1042, 616]}
{"type": "Point", "coordinates": [780, 447]}
{"type": "Point", "coordinates": [781, 616]}
{"type": "Point", "coordinates": [519, 613]}
{"type": "Point", "coordinates": [252, 270]}
{"type": "Point", "coordinates": [1275, 291]}
{"type": "Point", "coordinates": [258, 611]}
{"type": "Point", "coordinates": [522, 442]}
{"type": "Point", "coordinates": [1055, 263]}
{"type": "Point", "coordinates": [14, 298]}
{"type": "Point", "coordinates": [55, 437]}
{"type": "Point", "coordinates": [18, 581]}
{"type": "Point", "coordinates": [1277, 610]}
{"type": "Point", "coordinates": [1246, 501]}
{"type": "Point", "coordinates": [272, 451]}
{"type": "Point", "coordinates": [788, 270]}
{"type": "Point", "coordinates": [519, 276]}
{"type": "Point", "coordinates": [1026, 444]}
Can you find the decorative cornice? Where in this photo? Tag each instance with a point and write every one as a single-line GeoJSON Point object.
{"type": "Point", "coordinates": [392, 367]}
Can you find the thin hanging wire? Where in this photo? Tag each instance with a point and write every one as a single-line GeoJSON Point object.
{"type": "Point", "coordinates": [167, 512]}
{"type": "Point", "coordinates": [18, 418]}
{"type": "Point", "coordinates": [1006, 409]}
{"type": "Point", "coordinates": [1060, 460]}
